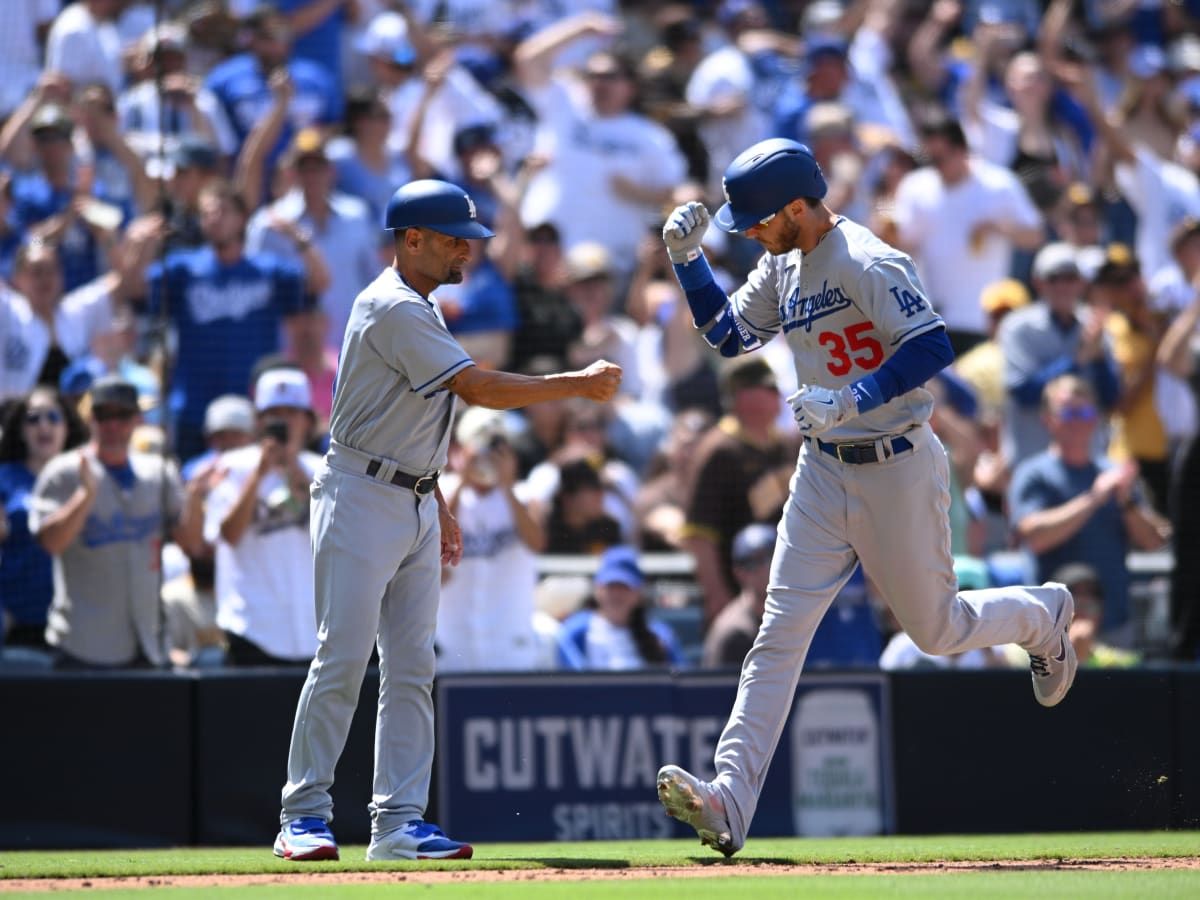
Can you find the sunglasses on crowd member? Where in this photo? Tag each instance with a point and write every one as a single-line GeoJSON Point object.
{"type": "Point", "coordinates": [112, 413]}
{"type": "Point", "coordinates": [1083, 413]}
{"type": "Point", "coordinates": [37, 416]}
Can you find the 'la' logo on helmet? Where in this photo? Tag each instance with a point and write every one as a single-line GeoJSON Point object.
{"type": "Point", "coordinates": [470, 205]}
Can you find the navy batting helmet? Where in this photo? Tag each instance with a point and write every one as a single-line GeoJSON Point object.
{"type": "Point", "coordinates": [765, 178]}
{"type": "Point", "coordinates": [436, 205]}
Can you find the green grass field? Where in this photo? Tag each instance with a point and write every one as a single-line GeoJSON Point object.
{"type": "Point", "coordinates": [737, 879]}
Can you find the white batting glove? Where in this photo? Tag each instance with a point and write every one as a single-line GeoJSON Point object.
{"type": "Point", "coordinates": [684, 230]}
{"type": "Point", "coordinates": [819, 409]}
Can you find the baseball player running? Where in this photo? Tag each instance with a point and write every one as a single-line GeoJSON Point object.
{"type": "Point", "coordinates": [871, 480]}
{"type": "Point", "coordinates": [381, 530]}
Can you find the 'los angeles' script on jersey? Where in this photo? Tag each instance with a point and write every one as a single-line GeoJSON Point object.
{"type": "Point", "coordinates": [209, 302]}
{"type": "Point", "coordinates": [799, 311]}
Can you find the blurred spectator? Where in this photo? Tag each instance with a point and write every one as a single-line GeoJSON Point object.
{"type": "Point", "coordinates": [864, 86]}
{"type": "Point", "coordinates": [35, 429]}
{"type": "Point", "coordinates": [316, 27]}
{"type": "Point", "coordinates": [257, 518]}
{"type": "Point", "coordinates": [585, 437]}
{"type": "Point", "coordinates": [1070, 505]}
{"type": "Point", "coordinates": [961, 218]}
{"type": "Point", "coordinates": [84, 44]}
{"type": "Point", "coordinates": [1078, 217]}
{"type": "Point", "coordinates": [168, 106]}
{"type": "Point", "coordinates": [661, 502]}
{"type": "Point", "coordinates": [101, 512]}
{"type": "Point", "coordinates": [1052, 336]}
{"type": "Point", "coordinates": [337, 225]}
{"type": "Point", "coordinates": [1179, 353]}
{"type": "Point", "coordinates": [22, 39]}
{"type": "Point", "coordinates": [1023, 134]}
{"type": "Point", "coordinates": [576, 521]}
{"type": "Point", "coordinates": [486, 615]}
{"type": "Point", "coordinates": [724, 91]}
{"type": "Point", "coordinates": [675, 371]}
{"type": "Point", "coordinates": [542, 423]}
{"type": "Point", "coordinates": [734, 629]}
{"type": "Point", "coordinates": [638, 422]}
{"type": "Point", "coordinates": [591, 288]}
{"type": "Point", "coordinates": [982, 368]}
{"type": "Point", "coordinates": [229, 423]}
{"type": "Point", "coordinates": [240, 84]}
{"type": "Point", "coordinates": [831, 133]}
{"type": "Point", "coordinates": [427, 91]}
{"type": "Point", "coordinates": [228, 308]}
{"type": "Point", "coordinates": [44, 331]}
{"type": "Point", "coordinates": [1161, 191]}
{"type": "Point", "coordinates": [549, 323]}
{"type": "Point", "coordinates": [306, 346]}
{"type": "Point", "coordinates": [610, 169]}
{"type": "Point", "coordinates": [614, 633]}
{"type": "Point", "coordinates": [1088, 593]}
{"type": "Point", "coordinates": [983, 365]}
{"type": "Point", "coordinates": [1138, 432]}
{"type": "Point", "coordinates": [366, 166]}
{"type": "Point", "coordinates": [741, 472]}
{"type": "Point", "coordinates": [187, 169]}
{"type": "Point", "coordinates": [52, 191]}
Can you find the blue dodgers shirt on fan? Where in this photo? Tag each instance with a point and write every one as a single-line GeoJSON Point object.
{"type": "Point", "coordinates": [227, 317]}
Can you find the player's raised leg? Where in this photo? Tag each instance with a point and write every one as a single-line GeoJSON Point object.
{"type": "Point", "coordinates": [903, 540]}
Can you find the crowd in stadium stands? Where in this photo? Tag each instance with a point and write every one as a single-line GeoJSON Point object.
{"type": "Point", "coordinates": [191, 195]}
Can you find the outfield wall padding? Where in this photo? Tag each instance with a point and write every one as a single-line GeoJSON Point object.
{"type": "Point", "coordinates": [149, 759]}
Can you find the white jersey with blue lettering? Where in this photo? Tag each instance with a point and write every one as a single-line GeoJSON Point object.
{"type": "Point", "coordinates": [844, 308]}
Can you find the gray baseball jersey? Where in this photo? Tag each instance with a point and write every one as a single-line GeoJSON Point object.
{"type": "Point", "coordinates": [397, 352]}
{"type": "Point", "coordinates": [844, 309]}
{"type": "Point", "coordinates": [106, 605]}
{"type": "Point", "coordinates": [377, 554]}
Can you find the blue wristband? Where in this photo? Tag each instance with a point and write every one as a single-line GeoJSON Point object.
{"type": "Point", "coordinates": [694, 275]}
{"type": "Point", "coordinates": [867, 394]}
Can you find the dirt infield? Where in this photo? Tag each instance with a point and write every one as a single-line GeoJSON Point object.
{"type": "Point", "coordinates": [716, 869]}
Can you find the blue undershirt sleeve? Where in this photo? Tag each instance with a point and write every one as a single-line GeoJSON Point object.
{"type": "Point", "coordinates": [914, 362]}
{"type": "Point", "coordinates": [704, 297]}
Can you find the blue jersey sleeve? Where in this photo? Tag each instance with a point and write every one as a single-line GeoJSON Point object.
{"type": "Point", "coordinates": [914, 362]}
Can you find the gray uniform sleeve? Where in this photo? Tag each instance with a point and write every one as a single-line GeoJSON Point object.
{"type": "Point", "coordinates": [895, 301]}
{"type": "Point", "coordinates": [416, 341]}
{"type": "Point", "coordinates": [756, 303]}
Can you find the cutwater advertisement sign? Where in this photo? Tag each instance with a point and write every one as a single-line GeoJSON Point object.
{"type": "Point", "coordinates": [574, 756]}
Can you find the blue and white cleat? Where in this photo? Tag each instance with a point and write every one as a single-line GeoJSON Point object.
{"type": "Point", "coordinates": [417, 839]}
{"type": "Point", "coordinates": [306, 839]}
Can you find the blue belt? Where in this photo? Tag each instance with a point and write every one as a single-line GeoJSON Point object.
{"type": "Point", "coordinates": [856, 453]}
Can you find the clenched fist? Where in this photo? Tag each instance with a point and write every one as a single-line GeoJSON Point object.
{"type": "Point", "coordinates": [600, 380]}
{"type": "Point", "coordinates": [684, 230]}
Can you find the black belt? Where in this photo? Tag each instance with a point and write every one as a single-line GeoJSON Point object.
{"type": "Point", "coordinates": [418, 484]}
{"type": "Point", "coordinates": [856, 453]}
